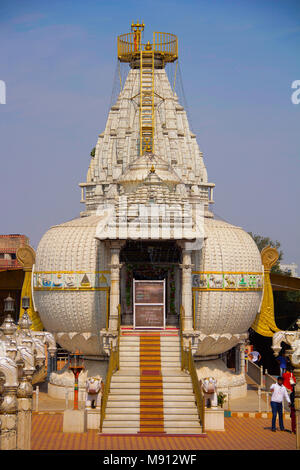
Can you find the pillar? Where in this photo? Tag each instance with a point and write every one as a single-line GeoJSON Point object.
{"type": "Point", "coordinates": [187, 297]}
{"type": "Point", "coordinates": [114, 298]}
{"type": "Point", "coordinates": [24, 397]}
{"type": "Point", "coordinates": [8, 415]}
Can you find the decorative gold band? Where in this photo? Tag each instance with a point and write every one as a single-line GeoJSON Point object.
{"type": "Point", "coordinates": [227, 281]}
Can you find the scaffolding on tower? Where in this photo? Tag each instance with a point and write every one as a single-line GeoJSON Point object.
{"type": "Point", "coordinates": [147, 57]}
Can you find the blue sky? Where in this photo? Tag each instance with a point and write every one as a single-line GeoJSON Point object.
{"type": "Point", "coordinates": [238, 60]}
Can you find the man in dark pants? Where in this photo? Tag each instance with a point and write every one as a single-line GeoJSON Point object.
{"type": "Point", "coordinates": [279, 392]}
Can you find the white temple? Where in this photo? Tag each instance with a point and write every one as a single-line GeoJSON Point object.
{"type": "Point", "coordinates": [146, 246]}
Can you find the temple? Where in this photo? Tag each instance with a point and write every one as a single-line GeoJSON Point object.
{"type": "Point", "coordinates": [146, 271]}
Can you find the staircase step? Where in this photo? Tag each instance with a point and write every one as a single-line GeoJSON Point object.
{"type": "Point", "coordinates": [191, 418]}
{"type": "Point", "coordinates": [173, 397]}
{"type": "Point", "coordinates": [173, 411]}
{"type": "Point", "coordinates": [135, 409]}
{"type": "Point", "coordinates": [124, 386]}
{"type": "Point", "coordinates": [110, 430]}
{"type": "Point", "coordinates": [170, 404]}
{"type": "Point", "coordinates": [149, 402]}
{"type": "Point", "coordinates": [122, 423]}
{"type": "Point", "coordinates": [135, 417]}
{"type": "Point", "coordinates": [176, 379]}
{"type": "Point", "coordinates": [187, 423]}
{"type": "Point", "coordinates": [125, 378]}
{"type": "Point", "coordinates": [119, 403]}
{"type": "Point", "coordinates": [123, 397]}
{"type": "Point", "coordinates": [183, 387]}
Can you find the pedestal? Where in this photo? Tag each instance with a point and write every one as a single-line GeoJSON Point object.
{"type": "Point", "coordinates": [75, 421]}
{"type": "Point", "coordinates": [93, 418]}
{"type": "Point", "coordinates": [214, 419]}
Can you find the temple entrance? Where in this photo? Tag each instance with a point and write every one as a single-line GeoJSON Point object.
{"type": "Point", "coordinates": [150, 284]}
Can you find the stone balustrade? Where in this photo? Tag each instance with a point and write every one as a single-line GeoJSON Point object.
{"type": "Point", "coordinates": [22, 351]}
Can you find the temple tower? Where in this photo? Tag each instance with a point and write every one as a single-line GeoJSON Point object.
{"type": "Point", "coordinates": [147, 254]}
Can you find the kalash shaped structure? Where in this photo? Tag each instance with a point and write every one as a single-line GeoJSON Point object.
{"type": "Point", "coordinates": [147, 283]}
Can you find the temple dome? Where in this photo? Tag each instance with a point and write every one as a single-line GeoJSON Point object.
{"type": "Point", "coordinates": [229, 276]}
{"type": "Point", "coordinates": [70, 285]}
{"type": "Point", "coordinates": [139, 170]}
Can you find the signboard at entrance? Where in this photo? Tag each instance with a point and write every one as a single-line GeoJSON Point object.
{"type": "Point", "coordinates": [149, 292]}
{"type": "Point", "coordinates": [149, 316]}
{"type": "Point", "coordinates": [149, 304]}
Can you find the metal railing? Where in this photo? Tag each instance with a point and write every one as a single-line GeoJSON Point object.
{"type": "Point", "coordinates": [263, 382]}
{"type": "Point", "coordinates": [255, 373]}
{"type": "Point", "coordinates": [164, 43]}
{"type": "Point", "coordinates": [113, 366]}
{"type": "Point", "coordinates": [269, 380]}
{"type": "Point", "coordinates": [188, 364]}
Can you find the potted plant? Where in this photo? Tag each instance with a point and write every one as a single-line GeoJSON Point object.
{"type": "Point", "coordinates": [221, 399]}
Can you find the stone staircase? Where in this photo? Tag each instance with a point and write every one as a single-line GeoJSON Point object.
{"type": "Point", "coordinates": [123, 411]}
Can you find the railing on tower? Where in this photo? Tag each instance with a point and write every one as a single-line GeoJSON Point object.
{"type": "Point", "coordinates": [147, 56]}
{"type": "Point", "coordinates": [188, 364]}
{"type": "Point", "coordinates": [165, 44]}
{"type": "Point", "coordinates": [113, 366]}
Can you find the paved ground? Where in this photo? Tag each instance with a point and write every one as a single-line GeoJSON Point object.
{"type": "Point", "coordinates": [240, 434]}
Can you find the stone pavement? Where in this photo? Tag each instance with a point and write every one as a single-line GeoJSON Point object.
{"type": "Point", "coordinates": [240, 434]}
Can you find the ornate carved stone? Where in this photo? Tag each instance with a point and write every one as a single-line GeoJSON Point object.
{"type": "Point", "coordinates": [26, 257]}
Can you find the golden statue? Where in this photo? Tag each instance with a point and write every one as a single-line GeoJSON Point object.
{"type": "Point", "coordinates": [264, 323]}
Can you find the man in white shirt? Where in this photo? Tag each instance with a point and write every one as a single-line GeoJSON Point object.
{"type": "Point", "coordinates": [279, 392]}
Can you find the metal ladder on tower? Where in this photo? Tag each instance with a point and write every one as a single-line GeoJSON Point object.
{"type": "Point", "coordinates": [147, 100]}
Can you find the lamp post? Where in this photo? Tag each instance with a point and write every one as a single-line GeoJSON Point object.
{"type": "Point", "coordinates": [25, 303]}
{"type": "Point", "coordinates": [76, 366]}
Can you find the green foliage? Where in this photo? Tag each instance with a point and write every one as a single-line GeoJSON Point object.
{"type": "Point", "coordinates": [262, 242]}
{"type": "Point", "coordinates": [221, 399]}
{"type": "Point", "coordinates": [93, 152]}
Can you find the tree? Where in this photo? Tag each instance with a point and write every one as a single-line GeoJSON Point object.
{"type": "Point", "coordinates": [262, 242]}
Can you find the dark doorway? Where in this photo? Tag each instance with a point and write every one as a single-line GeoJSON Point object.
{"type": "Point", "coordinates": [151, 260]}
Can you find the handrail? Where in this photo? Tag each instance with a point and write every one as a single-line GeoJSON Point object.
{"type": "Point", "coordinates": [188, 364]}
{"type": "Point", "coordinates": [164, 43]}
{"type": "Point", "coordinates": [113, 366]}
{"type": "Point", "coordinates": [39, 375]}
{"type": "Point", "coordinates": [269, 380]}
{"type": "Point", "coordinates": [255, 372]}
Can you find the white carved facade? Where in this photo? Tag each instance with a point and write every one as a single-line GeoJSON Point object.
{"type": "Point", "coordinates": [222, 278]}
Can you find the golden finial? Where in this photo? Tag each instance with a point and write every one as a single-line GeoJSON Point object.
{"type": "Point", "coordinates": [152, 169]}
{"type": "Point", "coordinates": [148, 46]}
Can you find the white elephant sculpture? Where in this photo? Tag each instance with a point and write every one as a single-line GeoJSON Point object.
{"type": "Point", "coordinates": [209, 387]}
{"type": "Point", "coordinates": [292, 338]}
{"type": "Point", "coordinates": [94, 389]}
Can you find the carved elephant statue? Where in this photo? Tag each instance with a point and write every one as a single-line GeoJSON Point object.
{"type": "Point", "coordinates": [209, 387]}
{"type": "Point", "coordinates": [94, 389]}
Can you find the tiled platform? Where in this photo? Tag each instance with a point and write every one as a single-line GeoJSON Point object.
{"type": "Point", "coordinates": [240, 434]}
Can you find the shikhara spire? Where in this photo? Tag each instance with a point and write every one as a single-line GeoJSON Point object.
{"type": "Point", "coordinates": [146, 119]}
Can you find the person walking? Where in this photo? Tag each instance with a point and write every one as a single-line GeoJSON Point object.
{"type": "Point", "coordinates": [289, 379]}
{"type": "Point", "coordinates": [279, 392]}
{"type": "Point", "coordinates": [254, 356]}
{"type": "Point", "coordinates": [282, 363]}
